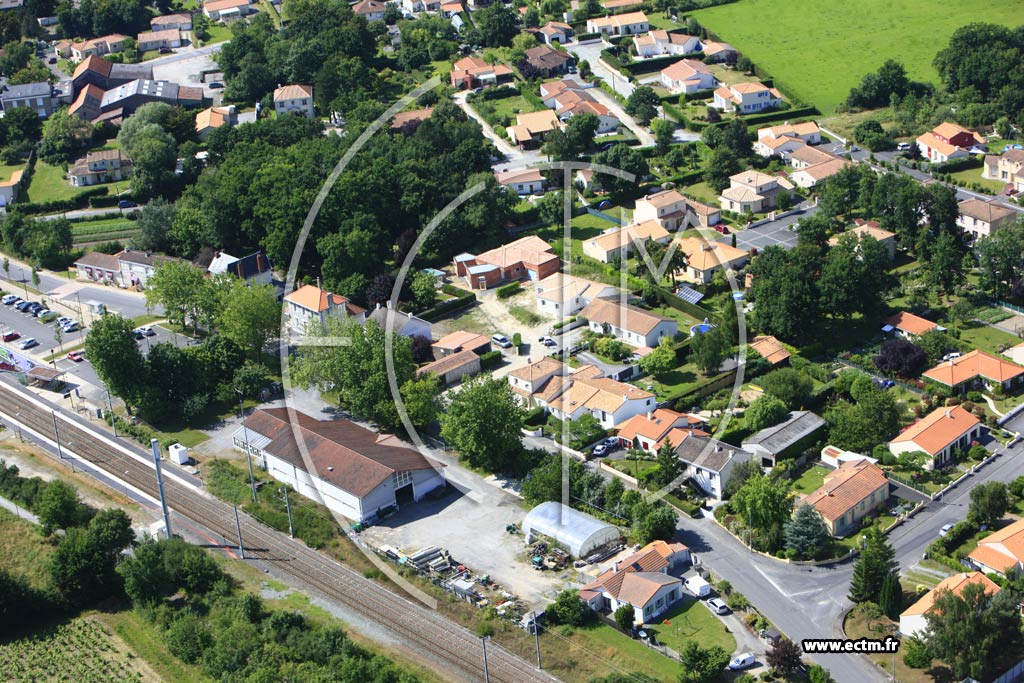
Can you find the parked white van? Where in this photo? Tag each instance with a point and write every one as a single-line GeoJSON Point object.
{"type": "Point", "coordinates": [698, 586]}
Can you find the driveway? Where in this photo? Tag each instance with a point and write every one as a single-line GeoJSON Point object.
{"type": "Point", "coordinates": [641, 133]}
{"type": "Point", "coordinates": [514, 156]}
{"type": "Point", "coordinates": [776, 232]}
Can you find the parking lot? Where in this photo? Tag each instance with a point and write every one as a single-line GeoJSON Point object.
{"type": "Point", "coordinates": [781, 232]}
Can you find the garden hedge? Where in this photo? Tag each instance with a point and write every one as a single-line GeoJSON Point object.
{"type": "Point", "coordinates": [56, 206]}
{"type": "Point", "coordinates": [509, 290]}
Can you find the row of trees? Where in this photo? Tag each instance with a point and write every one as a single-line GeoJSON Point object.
{"type": "Point", "coordinates": [170, 384]}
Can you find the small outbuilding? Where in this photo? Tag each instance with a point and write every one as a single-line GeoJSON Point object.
{"type": "Point", "coordinates": [579, 532]}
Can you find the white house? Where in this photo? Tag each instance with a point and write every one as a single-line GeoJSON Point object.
{"type": "Point", "coordinates": [626, 24]}
{"type": "Point", "coordinates": [949, 141]}
{"type": "Point", "coordinates": [404, 324]}
{"type": "Point", "coordinates": [294, 99]}
{"type": "Point", "coordinates": [138, 266]}
{"type": "Point", "coordinates": [310, 303]}
{"type": "Point", "coordinates": [355, 472]}
{"type": "Point", "coordinates": [808, 131]}
{"type": "Point", "coordinates": [746, 97]}
{"type": "Point", "coordinates": [642, 581]}
{"type": "Point", "coordinates": [979, 218]}
{"type": "Point", "coordinates": [564, 295]}
{"type": "Point", "coordinates": [709, 462]}
{"type": "Point", "coordinates": [659, 42]}
{"type": "Point", "coordinates": [913, 621]}
{"type": "Point", "coordinates": [705, 258]}
{"type": "Point", "coordinates": [548, 384]}
{"type": "Point", "coordinates": [371, 10]}
{"type": "Point", "coordinates": [687, 76]}
{"type": "Point", "coordinates": [650, 431]}
{"type": "Point", "coordinates": [254, 268]}
{"type": "Point", "coordinates": [752, 191]}
{"type": "Point", "coordinates": [635, 326]}
{"type": "Point", "coordinates": [523, 181]}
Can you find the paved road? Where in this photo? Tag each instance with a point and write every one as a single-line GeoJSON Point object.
{"type": "Point", "coordinates": [87, 213]}
{"type": "Point", "coordinates": [69, 292]}
{"type": "Point", "coordinates": [592, 53]}
{"type": "Point", "coordinates": [807, 602]}
{"type": "Point", "coordinates": [514, 156]}
{"type": "Point", "coordinates": [641, 133]}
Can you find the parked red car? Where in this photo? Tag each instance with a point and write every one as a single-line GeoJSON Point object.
{"type": "Point", "coordinates": [77, 356]}
{"type": "Point", "coordinates": [10, 336]}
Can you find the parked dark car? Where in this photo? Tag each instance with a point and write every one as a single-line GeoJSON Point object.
{"type": "Point", "coordinates": [10, 336]}
{"type": "Point", "coordinates": [165, 50]}
{"type": "Point", "coordinates": [126, 204]}
{"type": "Point", "coordinates": [604, 204]}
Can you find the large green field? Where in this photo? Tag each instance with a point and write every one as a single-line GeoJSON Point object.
{"type": "Point", "coordinates": [819, 49]}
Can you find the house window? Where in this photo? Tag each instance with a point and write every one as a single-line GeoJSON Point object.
{"type": "Point", "coordinates": [400, 479]}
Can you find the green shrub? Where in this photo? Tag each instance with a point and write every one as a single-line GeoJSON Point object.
{"type": "Point", "coordinates": [509, 290]}
{"type": "Point", "coordinates": [490, 359]}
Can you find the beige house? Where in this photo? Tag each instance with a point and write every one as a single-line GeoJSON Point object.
{"type": "Point", "coordinates": [524, 181]}
{"type": "Point", "coordinates": [454, 368]}
{"type": "Point", "coordinates": [703, 258]}
{"type": "Point", "coordinates": [532, 128]}
{"type": "Point", "coordinates": [848, 495]}
{"type": "Point", "coordinates": [9, 188]}
{"type": "Point", "coordinates": [1007, 168]}
{"type": "Point", "coordinates": [865, 228]}
{"type": "Point", "coordinates": [630, 23]}
{"type": "Point", "coordinates": [1000, 552]}
{"type": "Point", "coordinates": [619, 242]}
{"type": "Point", "coordinates": [98, 46]}
{"type": "Point", "coordinates": [565, 295]}
{"type": "Point", "coordinates": [808, 131]}
{"type": "Point", "coordinates": [940, 434]}
{"type": "Point", "coordinates": [99, 167]}
{"type": "Point", "coordinates": [182, 22]}
{"type": "Point", "coordinates": [980, 218]}
{"type": "Point", "coordinates": [213, 118]}
{"type": "Point", "coordinates": [225, 10]}
{"type": "Point", "coordinates": [751, 191]}
{"type": "Point", "coordinates": [812, 175]}
{"type": "Point", "coordinates": [154, 40]}
{"type": "Point", "coordinates": [310, 303]}
{"type": "Point", "coordinates": [294, 99]}
{"type": "Point", "coordinates": [641, 581]}
{"type": "Point", "coordinates": [668, 207]}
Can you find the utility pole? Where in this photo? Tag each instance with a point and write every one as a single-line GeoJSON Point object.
{"type": "Point", "coordinates": [110, 405]}
{"type": "Point", "coordinates": [56, 435]}
{"type": "Point", "coordinates": [238, 529]}
{"type": "Point", "coordinates": [487, 677]}
{"type": "Point", "coordinates": [288, 507]}
{"type": "Point", "coordinates": [536, 637]}
{"type": "Point", "coordinates": [160, 485]}
{"type": "Point", "coordinates": [248, 456]}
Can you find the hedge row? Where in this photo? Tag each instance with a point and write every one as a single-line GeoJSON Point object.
{"type": "Point", "coordinates": [586, 36]}
{"type": "Point", "coordinates": [461, 300]}
{"type": "Point", "coordinates": [509, 290]}
{"type": "Point", "coordinates": [956, 165]}
{"type": "Point", "coordinates": [490, 359]}
{"type": "Point", "coordinates": [646, 66]}
{"type": "Point", "coordinates": [779, 115]}
{"type": "Point", "coordinates": [103, 202]}
{"type": "Point", "coordinates": [669, 298]}
{"type": "Point", "coordinates": [494, 93]}
{"type": "Point", "coordinates": [78, 202]}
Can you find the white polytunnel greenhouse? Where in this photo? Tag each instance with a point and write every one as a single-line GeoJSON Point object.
{"type": "Point", "coordinates": [577, 531]}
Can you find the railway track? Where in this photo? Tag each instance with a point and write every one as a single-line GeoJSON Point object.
{"type": "Point", "coordinates": [428, 634]}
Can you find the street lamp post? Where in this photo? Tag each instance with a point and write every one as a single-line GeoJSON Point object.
{"type": "Point", "coordinates": [288, 508]}
{"type": "Point", "coordinates": [248, 455]}
{"type": "Point", "coordinates": [56, 435]}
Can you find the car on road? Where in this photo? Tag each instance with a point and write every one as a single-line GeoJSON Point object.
{"type": "Point", "coordinates": [611, 442]}
{"type": "Point", "coordinates": [717, 606]}
{"type": "Point", "coordinates": [165, 50]}
{"type": "Point", "coordinates": [10, 299]}
{"type": "Point", "coordinates": [501, 340]}
{"type": "Point", "coordinates": [742, 661]}
{"type": "Point", "coordinates": [946, 528]}
{"type": "Point", "coordinates": [22, 305]}
{"type": "Point", "coordinates": [51, 60]}
{"type": "Point", "coordinates": [600, 450]}
{"type": "Point", "coordinates": [10, 336]}
{"type": "Point", "coordinates": [126, 204]}
{"type": "Point", "coordinates": [34, 308]}
{"type": "Point", "coordinates": [571, 69]}
{"type": "Point", "coordinates": [903, 146]}
{"type": "Point", "coordinates": [138, 334]}
{"type": "Point", "coordinates": [547, 341]}
{"type": "Point", "coordinates": [606, 146]}
{"type": "Point", "coordinates": [77, 356]}
{"type": "Point", "coordinates": [72, 326]}
{"type": "Point", "coordinates": [27, 344]}
{"type": "Point", "coordinates": [216, 85]}
{"type": "Point", "coordinates": [147, 330]}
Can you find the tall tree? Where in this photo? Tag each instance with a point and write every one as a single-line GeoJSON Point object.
{"type": "Point", "coordinates": [876, 561]}
{"type": "Point", "coordinates": [250, 316]}
{"type": "Point", "coordinates": [785, 657]}
{"type": "Point", "coordinates": [116, 358]}
{"type": "Point", "coordinates": [890, 597]}
{"type": "Point", "coordinates": [181, 289]}
{"type": "Point", "coordinates": [763, 502]}
{"type": "Point", "coordinates": [642, 104]}
{"type": "Point", "coordinates": [806, 533]}
{"type": "Point", "coordinates": [484, 424]}
{"type": "Point", "coordinates": [989, 502]}
{"type": "Point", "coordinates": [700, 664]}
{"type": "Point", "coordinates": [790, 385]}
{"type": "Point", "coordinates": [765, 412]}
{"type": "Point", "coordinates": [709, 349]}
{"type": "Point", "coordinates": [668, 464]}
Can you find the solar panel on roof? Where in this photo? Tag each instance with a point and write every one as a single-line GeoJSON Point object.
{"type": "Point", "coordinates": [689, 294]}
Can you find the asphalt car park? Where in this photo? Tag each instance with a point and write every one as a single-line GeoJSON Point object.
{"type": "Point", "coordinates": [28, 325]}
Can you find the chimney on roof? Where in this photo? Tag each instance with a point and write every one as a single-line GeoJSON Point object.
{"type": "Point", "coordinates": [949, 413]}
{"type": "Point", "coordinates": [650, 415]}
{"type": "Point", "coordinates": [330, 468]}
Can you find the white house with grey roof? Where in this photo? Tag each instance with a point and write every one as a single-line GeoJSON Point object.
{"type": "Point", "coordinates": [785, 439]}
{"type": "Point", "coordinates": [709, 462]}
{"type": "Point", "coordinates": [405, 324]}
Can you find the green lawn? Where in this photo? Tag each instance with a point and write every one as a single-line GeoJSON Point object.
{"type": "Point", "coordinates": [619, 651]}
{"type": "Point", "coordinates": [510, 106]}
{"type": "Point", "coordinates": [972, 176]}
{"type": "Point", "coordinates": [676, 383]}
{"type": "Point", "coordinates": [49, 183]}
{"type": "Point", "coordinates": [701, 192]}
{"type": "Point", "coordinates": [659, 20]}
{"type": "Point", "coordinates": [6, 171]}
{"type": "Point", "coordinates": [811, 480]}
{"type": "Point", "coordinates": [685, 321]}
{"type": "Point", "coordinates": [981, 336]}
{"type": "Point", "coordinates": [692, 620]}
{"type": "Point", "coordinates": [839, 42]}
{"type": "Point", "coordinates": [218, 33]}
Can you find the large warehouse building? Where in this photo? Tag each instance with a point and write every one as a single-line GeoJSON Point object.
{"type": "Point", "coordinates": [580, 533]}
{"type": "Point", "coordinates": [356, 472]}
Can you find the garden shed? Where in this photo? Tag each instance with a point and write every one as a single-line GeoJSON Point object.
{"type": "Point", "coordinates": [577, 531]}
